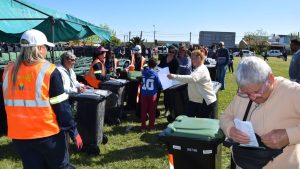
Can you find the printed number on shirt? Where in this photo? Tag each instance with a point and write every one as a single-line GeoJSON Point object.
{"type": "Point", "coordinates": [148, 84]}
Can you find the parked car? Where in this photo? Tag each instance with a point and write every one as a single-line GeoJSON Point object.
{"type": "Point", "coordinates": [123, 63]}
{"type": "Point", "coordinates": [235, 54]}
{"type": "Point", "coordinates": [274, 53]}
{"type": "Point", "coordinates": [245, 53]}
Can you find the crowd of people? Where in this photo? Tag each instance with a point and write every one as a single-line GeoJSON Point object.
{"type": "Point", "coordinates": [33, 87]}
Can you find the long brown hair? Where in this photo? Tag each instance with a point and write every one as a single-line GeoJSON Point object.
{"type": "Point", "coordinates": [28, 56]}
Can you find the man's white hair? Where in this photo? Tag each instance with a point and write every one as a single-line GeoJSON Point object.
{"type": "Point", "coordinates": [252, 70]}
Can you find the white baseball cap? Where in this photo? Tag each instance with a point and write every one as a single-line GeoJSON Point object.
{"type": "Point", "coordinates": [138, 48]}
{"type": "Point", "coordinates": [34, 37]}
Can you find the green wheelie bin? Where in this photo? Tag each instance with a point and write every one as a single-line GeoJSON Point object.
{"type": "Point", "coordinates": [193, 143]}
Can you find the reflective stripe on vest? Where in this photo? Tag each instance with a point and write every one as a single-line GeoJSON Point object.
{"type": "Point", "coordinates": [98, 72]}
{"type": "Point", "coordinates": [38, 102]}
{"type": "Point", "coordinates": [59, 98]}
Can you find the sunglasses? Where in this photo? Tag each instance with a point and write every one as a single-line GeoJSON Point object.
{"type": "Point", "coordinates": [172, 52]}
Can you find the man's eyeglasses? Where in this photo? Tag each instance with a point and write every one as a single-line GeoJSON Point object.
{"type": "Point", "coordinates": [254, 95]}
{"type": "Point", "coordinates": [73, 60]}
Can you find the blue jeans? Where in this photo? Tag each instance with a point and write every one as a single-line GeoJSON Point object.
{"type": "Point", "coordinates": [221, 71]}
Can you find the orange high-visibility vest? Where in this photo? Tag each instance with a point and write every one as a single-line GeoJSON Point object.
{"type": "Point", "coordinates": [27, 103]}
{"type": "Point", "coordinates": [90, 75]}
{"type": "Point", "coordinates": [142, 61]}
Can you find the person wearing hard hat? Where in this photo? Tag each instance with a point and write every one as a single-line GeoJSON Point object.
{"type": "Point", "coordinates": [97, 72]}
{"type": "Point", "coordinates": [38, 112]}
{"type": "Point", "coordinates": [137, 60]}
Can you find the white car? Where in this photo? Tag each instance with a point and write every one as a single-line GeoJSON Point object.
{"type": "Point", "coordinates": [247, 53]}
{"type": "Point", "coordinates": [274, 53]}
{"type": "Point", "coordinates": [123, 63]}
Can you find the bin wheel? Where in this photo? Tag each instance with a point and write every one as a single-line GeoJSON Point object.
{"type": "Point", "coordinates": [104, 139]}
{"type": "Point", "coordinates": [170, 119]}
{"type": "Point", "coordinates": [93, 150]}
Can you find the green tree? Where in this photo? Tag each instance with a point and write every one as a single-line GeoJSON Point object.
{"type": "Point", "coordinates": [94, 39]}
{"type": "Point", "coordinates": [257, 41]}
{"type": "Point", "coordinates": [91, 40]}
{"type": "Point", "coordinates": [136, 41]}
{"type": "Point", "coordinates": [114, 41]}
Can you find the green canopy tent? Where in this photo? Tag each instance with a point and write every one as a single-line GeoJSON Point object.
{"type": "Point", "coordinates": [17, 16]}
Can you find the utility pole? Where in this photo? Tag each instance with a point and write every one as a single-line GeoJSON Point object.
{"type": "Point", "coordinates": [141, 35]}
{"type": "Point", "coordinates": [199, 39]}
{"type": "Point", "coordinates": [154, 35]}
{"type": "Point", "coordinates": [190, 38]}
{"type": "Point", "coordinates": [129, 36]}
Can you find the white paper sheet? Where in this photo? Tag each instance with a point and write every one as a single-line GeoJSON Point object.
{"type": "Point", "coordinates": [246, 127]}
{"type": "Point", "coordinates": [165, 81]}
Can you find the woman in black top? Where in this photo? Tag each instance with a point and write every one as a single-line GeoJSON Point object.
{"type": "Point", "coordinates": [170, 61]}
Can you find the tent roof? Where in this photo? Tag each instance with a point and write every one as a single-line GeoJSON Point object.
{"type": "Point", "coordinates": [17, 16]}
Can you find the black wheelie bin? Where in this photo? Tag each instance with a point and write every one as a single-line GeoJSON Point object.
{"type": "Point", "coordinates": [132, 89]}
{"type": "Point", "coordinates": [90, 118]}
{"type": "Point", "coordinates": [115, 102]}
{"type": "Point", "coordinates": [178, 100]}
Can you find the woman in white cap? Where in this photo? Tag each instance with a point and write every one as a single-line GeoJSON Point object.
{"type": "Point", "coordinates": [37, 108]}
{"type": "Point", "coordinates": [137, 60]}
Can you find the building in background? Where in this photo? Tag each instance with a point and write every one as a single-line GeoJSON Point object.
{"type": "Point", "coordinates": [209, 38]}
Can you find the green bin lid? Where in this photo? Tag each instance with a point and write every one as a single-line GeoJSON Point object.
{"type": "Point", "coordinates": [197, 128]}
{"type": "Point", "coordinates": [132, 75]}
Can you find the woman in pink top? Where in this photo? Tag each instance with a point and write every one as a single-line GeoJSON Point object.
{"type": "Point", "coordinates": [274, 114]}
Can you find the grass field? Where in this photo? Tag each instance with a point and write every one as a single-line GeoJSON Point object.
{"type": "Point", "coordinates": [127, 147]}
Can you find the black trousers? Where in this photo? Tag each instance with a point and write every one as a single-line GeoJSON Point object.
{"type": "Point", "coordinates": [230, 67]}
{"type": "Point", "coordinates": [44, 153]}
{"type": "Point", "coordinates": [200, 110]}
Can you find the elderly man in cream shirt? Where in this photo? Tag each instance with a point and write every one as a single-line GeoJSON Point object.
{"type": "Point", "coordinates": [71, 85]}
{"type": "Point", "coordinates": [202, 98]}
{"type": "Point", "coordinates": [274, 114]}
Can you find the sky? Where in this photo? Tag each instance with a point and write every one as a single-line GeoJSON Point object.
{"type": "Point", "coordinates": [173, 20]}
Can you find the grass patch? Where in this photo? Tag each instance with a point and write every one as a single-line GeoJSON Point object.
{"type": "Point", "coordinates": [133, 149]}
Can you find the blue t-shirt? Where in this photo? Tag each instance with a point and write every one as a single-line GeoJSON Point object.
{"type": "Point", "coordinates": [151, 83]}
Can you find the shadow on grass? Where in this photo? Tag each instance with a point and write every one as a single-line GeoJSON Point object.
{"type": "Point", "coordinates": [8, 151]}
{"type": "Point", "coordinates": [126, 154]}
{"type": "Point", "coordinates": [121, 129]}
